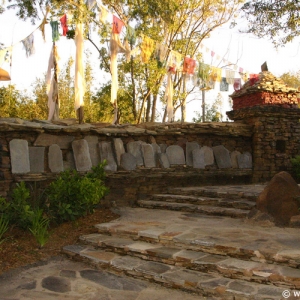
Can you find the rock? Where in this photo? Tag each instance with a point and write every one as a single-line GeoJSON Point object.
{"type": "Point", "coordinates": [148, 154]}
{"type": "Point", "coordinates": [128, 161]}
{"type": "Point", "coordinates": [55, 159]}
{"type": "Point", "coordinates": [175, 155]}
{"type": "Point", "coordinates": [82, 155]}
{"type": "Point", "coordinates": [245, 160]}
{"type": "Point", "coordinates": [19, 155]}
{"type": "Point", "coordinates": [279, 199]}
{"type": "Point", "coordinates": [36, 159]}
{"type": "Point", "coordinates": [234, 161]}
{"type": "Point", "coordinates": [190, 146]}
{"type": "Point", "coordinates": [222, 157]}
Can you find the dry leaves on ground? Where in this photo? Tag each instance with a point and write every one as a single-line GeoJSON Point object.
{"type": "Point", "coordinates": [20, 247]}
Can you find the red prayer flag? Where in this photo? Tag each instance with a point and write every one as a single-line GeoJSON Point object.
{"type": "Point", "coordinates": [189, 65]}
{"type": "Point", "coordinates": [253, 78]}
{"type": "Point", "coordinates": [237, 84]}
{"type": "Point", "coordinates": [63, 22]}
{"type": "Point", "coordinates": [117, 25]}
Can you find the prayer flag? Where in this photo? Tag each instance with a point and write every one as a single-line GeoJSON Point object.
{"type": "Point", "coordinates": [117, 25]}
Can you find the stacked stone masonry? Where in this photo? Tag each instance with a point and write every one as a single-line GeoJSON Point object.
{"type": "Point", "coordinates": [150, 157]}
{"type": "Point", "coordinates": [39, 150]}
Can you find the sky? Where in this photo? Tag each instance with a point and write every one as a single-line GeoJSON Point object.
{"type": "Point", "coordinates": [248, 52]}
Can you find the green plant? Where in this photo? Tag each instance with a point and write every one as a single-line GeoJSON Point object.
{"type": "Point", "coordinates": [296, 166]}
{"type": "Point", "coordinates": [19, 210]}
{"type": "Point", "coordinates": [71, 195]}
{"type": "Point", "coordinates": [3, 227]}
{"type": "Point", "coordinates": [39, 227]}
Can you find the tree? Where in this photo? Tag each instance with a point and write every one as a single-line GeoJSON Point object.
{"type": "Point", "coordinates": [213, 113]}
{"type": "Point", "coordinates": [275, 19]}
{"type": "Point", "coordinates": [291, 79]}
{"type": "Point", "coordinates": [181, 25]}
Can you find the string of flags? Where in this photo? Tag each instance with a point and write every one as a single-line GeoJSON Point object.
{"type": "Point", "coordinates": [200, 74]}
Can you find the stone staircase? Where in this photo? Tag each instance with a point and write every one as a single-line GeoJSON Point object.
{"type": "Point", "coordinates": [205, 246]}
{"type": "Point", "coordinates": [201, 200]}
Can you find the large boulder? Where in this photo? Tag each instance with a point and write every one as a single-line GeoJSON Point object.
{"type": "Point", "coordinates": [280, 199]}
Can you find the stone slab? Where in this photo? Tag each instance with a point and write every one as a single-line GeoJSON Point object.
{"type": "Point", "coordinates": [82, 155]}
{"type": "Point", "coordinates": [119, 149]}
{"type": "Point", "coordinates": [153, 268]}
{"type": "Point", "coordinates": [234, 159]}
{"type": "Point", "coordinates": [198, 161]}
{"type": "Point", "coordinates": [222, 157]}
{"type": "Point", "coordinates": [92, 141]}
{"type": "Point", "coordinates": [175, 155]}
{"type": "Point", "coordinates": [69, 163]}
{"type": "Point", "coordinates": [148, 155]}
{"type": "Point", "coordinates": [46, 140]}
{"type": "Point", "coordinates": [157, 152]}
{"type": "Point", "coordinates": [55, 159]}
{"type": "Point", "coordinates": [208, 155]}
{"type": "Point", "coordinates": [106, 153]}
{"type": "Point", "coordinates": [163, 148]}
{"type": "Point", "coordinates": [245, 160]}
{"type": "Point", "coordinates": [128, 162]}
{"type": "Point", "coordinates": [190, 146]}
{"type": "Point", "coordinates": [37, 159]}
{"type": "Point", "coordinates": [135, 148]}
{"type": "Point", "coordinates": [163, 160]}
{"type": "Point", "coordinates": [19, 156]}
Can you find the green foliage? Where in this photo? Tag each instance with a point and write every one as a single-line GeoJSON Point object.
{"type": "Point", "coordinates": [296, 166]}
{"type": "Point", "coordinates": [291, 79]}
{"type": "Point", "coordinates": [39, 227]}
{"type": "Point", "coordinates": [19, 210]}
{"type": "Point", "coordinates": [72, 195]}
{"type": "Point", "coordinates": [277, 20]}
{"type": "Point", "coordinates": [212, 112]}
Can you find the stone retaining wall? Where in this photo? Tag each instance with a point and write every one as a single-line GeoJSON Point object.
{"type": "Point", "coordinates": [152, 153]}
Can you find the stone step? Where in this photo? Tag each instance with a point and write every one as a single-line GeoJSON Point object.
{"type": "Point", "coordinates": [204, 284]}
{"type": "Point", "coordinates": [200, 261]}
{"type": "Point", "coordinates": [228, 191]}
{"type": "Point", "coordinates": [213, 201]}
{"type": "Point", "coordinates": [204, 209]}
{"type": "Point", "coordinates": [235, 241]}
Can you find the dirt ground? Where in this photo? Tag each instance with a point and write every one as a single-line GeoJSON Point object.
{"type": "Point", "coordinates": [20, 247]}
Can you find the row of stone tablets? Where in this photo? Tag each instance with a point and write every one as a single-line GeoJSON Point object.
{"type": "Point", "coordinates": [85, 154]}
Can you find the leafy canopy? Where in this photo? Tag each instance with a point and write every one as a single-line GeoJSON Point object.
{"type": "Point", "coordinates": [278, 20]}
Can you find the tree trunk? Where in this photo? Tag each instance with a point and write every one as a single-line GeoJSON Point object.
{"type": "Point", "coordinates": [203, 105]}
{"type": "Point", "coordinates": [154, 108]}
{"type": "Point", "coordinates": [148, 108]}
{"type": "Point", "coordinates": [183, 104]}
{"type": "Point", "coordinates": [134, 110]}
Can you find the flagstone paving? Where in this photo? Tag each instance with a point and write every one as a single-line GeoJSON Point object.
{"type": "Point", "coordinates": [165, 254]}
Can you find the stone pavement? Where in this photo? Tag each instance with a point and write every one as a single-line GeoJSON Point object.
{"type": "Point", "coordinates": [165, 254]}
{"type": "Point", "coordinates": [60, 278]}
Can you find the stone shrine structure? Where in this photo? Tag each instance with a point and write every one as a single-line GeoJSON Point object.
{"type": "Point", "coordinates": [149, 157]}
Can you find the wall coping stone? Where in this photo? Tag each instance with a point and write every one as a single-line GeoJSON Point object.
{"type": "Point", "coordinates": [176, 128]}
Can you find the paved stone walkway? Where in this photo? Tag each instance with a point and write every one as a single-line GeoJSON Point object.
{"type": "Point", "coordinates": [60, 279]}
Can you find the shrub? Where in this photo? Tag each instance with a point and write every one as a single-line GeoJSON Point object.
{"type": "Point", "coordinates": [39, 227]}
{"type": "Point", "coordinates": [19, 210]}
{"type": "Point", "coordinates": [71, 195]}
{"type": "Point", "coordinates": [296, 166]}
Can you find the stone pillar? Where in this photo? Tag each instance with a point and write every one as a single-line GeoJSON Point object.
{"type": "Point", "coordinates": [275, 140]}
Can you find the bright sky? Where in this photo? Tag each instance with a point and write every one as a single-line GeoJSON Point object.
{"type": "Point", "coordinates": [247, 52]}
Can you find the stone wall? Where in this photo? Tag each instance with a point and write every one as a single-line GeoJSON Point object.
{"type": "Point", "coordinates": [276, 138]}
{"type": "Point", "coordinates": [141, 158]}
